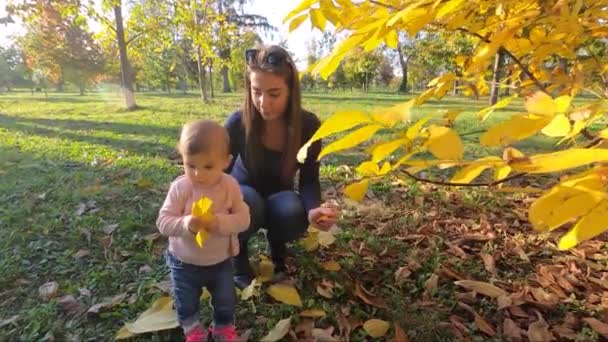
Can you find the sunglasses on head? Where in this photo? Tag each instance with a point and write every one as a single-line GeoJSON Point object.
{"type": "Point", "coordinates": [272, 58]}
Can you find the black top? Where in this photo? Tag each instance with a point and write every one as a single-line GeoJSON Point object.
{"type": "Point", "coordinates": [308, 184]}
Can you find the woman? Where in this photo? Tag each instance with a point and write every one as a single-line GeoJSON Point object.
{"type": "Point", "coordinates": [265, 137]}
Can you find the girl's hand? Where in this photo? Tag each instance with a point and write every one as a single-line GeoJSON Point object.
{"type": "Point", "coordinates": [211, 224]}
{"type": "Point", "coordinates": [194, 224]}
{"type": "Point", "coordinates": [323, 218]}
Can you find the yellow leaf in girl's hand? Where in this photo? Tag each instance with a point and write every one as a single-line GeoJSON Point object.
{"type": "Point", "coordinates": [202, 209]}
{"type": "Point", "coordinates": [285, 293]}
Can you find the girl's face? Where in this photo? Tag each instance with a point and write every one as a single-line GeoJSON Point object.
{"type": "Point", "coordinates": [206, 168]}
{"type": "Point", "coordinates": [269, 93]}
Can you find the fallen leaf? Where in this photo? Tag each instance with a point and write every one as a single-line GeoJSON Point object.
{"type": "Point", "coordinates": [151, 237]}
{"type": "Point", "coordinates": [265, 270]}
{"type": "Point", "coordinates": [376, 327]}
{"type": "Point", "coordinates": [565, 332]}
{"type": "Point", "coordinates": [81, 253]}
{"type": "Point", "coordinates": [305, 327]}
{"type": "Point", "coordinates": [457, 251]}
{"type": "Point", "coordinates": [245, 336]}
{"type": "Point", "coordinates": [323, 335]}
{"type": "Point", "coordinates": [70, 305]}
{"type": "Point", "coordinates": [431, 284]}
{"type": "Point", "coordinates": [313, 313]}
{"type": "Point", "coordinates": [544, 298]}
{"type": "Point", "coordinates": [49, 290]}
{"type": "Point", "coordinates": [87, 234]}
{"type": "Point", "coordinates": [81, 209]}
{"type": "Point", "coordinates": [369, 298]}
{"type": "Point", "coordinates": [331, 266]}
{"type": "Point", "coordinates": [511, 331]}
{"type": "Point", "coordinates": [447, 272]}
{"type": "Point", "coordinates": [521, 254]}
{"type": "Point", "coordinates": [110, 228]}
{"type": "Point", "coordinates": [402, 274]}
{"type": "Point", "coordinates": [11, 320]}
{"type": "Point", "coordinates": [400, 335]}
{"type": "Point", "coordinates": [84, 292]}
{"type": "Point", "coordinates": [539, 331]}
{"type": "Point", "coordinates": [598, 326]}
{"type": "Point", "coordinates": [467, 297]}
{"type": "Point", "coordinates": [285, 293]}
{"type": "Point", "coordinates": [488, 262]}
{"type": "Point", "coordinates": [326, 238]}
{"type": "Point", "coordinates": [279, 331]}
{"type": "Point", "coordinates": [160, 316]}
{"type": "Point", "coordinates": [310, 242]}
{"type": "Point", "coordinates": [484, 326]}
{"type": "Point", "coordinates": [504, 302]}
{"type": "Point", "coordinates": [249, 291]}
{"type": "Point", "coordinates": [164, 286]}
{"type": "Point", "coordinates": [483, 288]}
{"type": "Point", "coordinates": [145, 269]}
{"type": "Point", "coordinates": [326, 290]}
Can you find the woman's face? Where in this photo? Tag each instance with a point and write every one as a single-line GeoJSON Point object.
{"type": "Point", "coordinates": [270, 94]}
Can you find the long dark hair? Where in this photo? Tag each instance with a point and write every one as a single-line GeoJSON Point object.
{"type": "Point", "coordinates": [276, 60]}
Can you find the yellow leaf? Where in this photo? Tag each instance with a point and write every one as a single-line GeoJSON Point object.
{"type": "Point", "coordinates": [330, 63]}
{"type": "Point", "coordinates": [368, 169]}
{"type": "Point", "coordinates": [603, 133]}
{"type": "Point", "coordinates": [357, 191]}
{"type": "Point", "coordinates": [444, 143]}
{"type": "Point", "coordinates": [449, 8]}
{"type": "Point", "coordinates": [201, 237]}
{"type": "Point", "coordinates": [301, 7]}
{"type": "Point", "coordinates": [451, 115]}
{"type": "Point", "coordinates": [392, 39]}
{"type": "Point", "coordinates": [542, 104]}
{"type": "Point", "coordinates": [485, 113]}
{"type": "Point", "coordinates": [279, 331]}
{"type": "Point", "coordinates": [517, 128]}
{"type": "Point", "coordinates": [160, 316]}
{"type": "Point", "coordinates": [329, 11]}
{"type": "Point", "coordinates": [386, 168]}
{"type": "Point", "coordinates": [376, 327]}
{"type": "Point", "coordinates": [382, 150]}
{"type": "Point", "coordinates": [331, 266]}
{"type": "Point", "coordinates": [558, 127]}
{"type": "Point", "coordinates": [390, 116]}
{"type": "Point", "coordinates": [350, 140]}
{"type": "Point", "coordinates": [297, 21]}
{"type": "Point", "coordinates": [414, 130]}
{"type": "Point", "coordinates": [285, 293]}
{"type": "Point", "coordinates": [205, 294]}
{"type": "Point", "coordinates": [326, 238]}
{"type": "Point", "coordinates": [561, 160]}
{"type": "Point", "coordinates": [590, 226]}
{"type": "Point", "coordinates": [480, 287]}
{"type": "Point", "coordinates": [338, 122]}
{"type": "Point", "coordinates": [317, 19]}
{"type": "Point", "coordinates": [473, 170]}
{"type": "Point", "coordinates": [501, 172]}
{"type": "Point", "coordinates": [310, 242]}
{"type": "Point", "coordinates": [201, 208]}
{"type": "Point", "coordinates": [249, 291]}
{"type": "Point", "coordinates": [314, 313]}
{"type": "Point", "coordinates": [266, 270]}
{"type": "Point", "coordinates": [570, 199]}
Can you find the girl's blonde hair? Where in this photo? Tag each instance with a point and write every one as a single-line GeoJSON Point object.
{"type": "Point", "coordinates": [202, 136]}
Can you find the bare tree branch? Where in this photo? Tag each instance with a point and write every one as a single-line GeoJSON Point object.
{"type": "Point", "coordinates": [479, 184]}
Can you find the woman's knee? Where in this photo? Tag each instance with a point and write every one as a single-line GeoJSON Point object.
{"type": "Point", "coordinates": [257, 207]}
{"type": "Point", "coordinates": [285, 208]}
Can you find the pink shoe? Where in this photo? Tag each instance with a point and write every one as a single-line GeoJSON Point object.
{"type": "Point", "coordinates": [197, 335]}
{"type": "Point", "coordinates": [225, 334]}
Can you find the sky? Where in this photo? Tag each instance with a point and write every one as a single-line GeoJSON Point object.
{"type": "Point", "coordinates": [274, 10]}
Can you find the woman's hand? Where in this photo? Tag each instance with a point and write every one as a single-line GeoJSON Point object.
{"type": "Point", "coordinates": [323, 218]}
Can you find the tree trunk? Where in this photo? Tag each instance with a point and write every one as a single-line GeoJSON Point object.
{"type": "Point", "coordinates": [125, 68]}
{"type": "Point", "coordinates": [82, 88]}
{"type": "Point", "coordinates": [201, 75]}
{"type": "Point", "coordinates": [403, 62]}
{"type": "Point", "coordinates": [496, 78]}
{"type": "Point", "coordinates": [211, 80]}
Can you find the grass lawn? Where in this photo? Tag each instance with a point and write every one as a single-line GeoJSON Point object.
{"type": "Point", "coordinates": [81, 182]}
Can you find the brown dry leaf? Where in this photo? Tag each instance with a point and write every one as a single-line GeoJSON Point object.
{"type": "Point", "coordinates": [504, 302]}
{"type": "Point", "coordinates": [476, 237]}
{"type": "Point", "coordinates": [305, 327]}
{"type": "Point", "coordinates": [467, 297]}
{"type": "Point", "coordinates": [245, 336]}
{"type": "Point", "coordinates": [539, 331]}
{"type": "Point", "coordinates": [447, 272]}
{"type": "Point", "coordinates": [431, 284]}
{"type": "Point", "coordinates": [598, 326]}
{"type": "Point", "coordinates": [326, 289]}
{"type": "Point", "coordinates": [518, 312]}
{"type": "Point", "coordinates": [324, 335]}
{"type": "Point", "coordinates": [70, 305]}
{"type": "Point", "coordinates": [343, 325]}
{"type": "Point", "coordinates": [484, 326]}
{"type": "Point", "coordinates": [544, 298]}
{"type": "Point", "coordinates": [402, 274]}
{"type": "Point", "coordinates": [279, 331]}
{"type": "Point", "coordinates": [488, 262]}
{"type": "Point", "coordinates": [565, 332]}
{"type": "Point", "coordinates": [400, 335]}
{"type": "Point", "coordinates": [81, 253]}
{"type": "Point", "coordinates": [457, 251]}
{"type": "Point", "coordinates": [521, 254]}
{"type": "Point", "coordinates": [369, 298]}
{"type": "Point", "coordinates": [483, 288]}
{"type": "Point", "coordinates": [511, 331]}
{"type": "Point", "coordinates": [49, 290]}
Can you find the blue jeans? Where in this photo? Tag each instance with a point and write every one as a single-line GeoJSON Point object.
{"type": "Point", "coordinates": [187, 281]}
{"type": "Point", "coordinates": [284, 217]}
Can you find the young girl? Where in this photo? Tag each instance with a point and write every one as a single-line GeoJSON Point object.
{"type": "Point", "coordinates": [265, 137]}
{"type": "Point", "coordinates": [204, 147]}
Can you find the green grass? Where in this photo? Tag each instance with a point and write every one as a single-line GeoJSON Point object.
{"type": "Point", "coordinates": [61, 153]}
